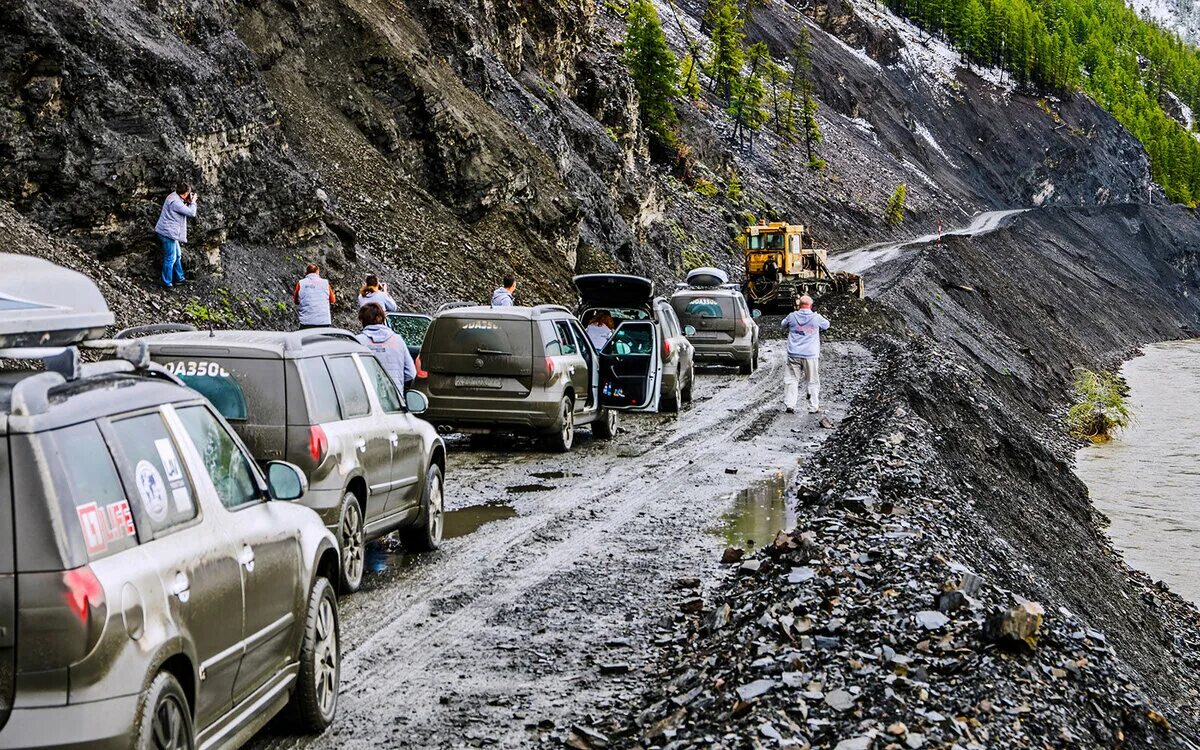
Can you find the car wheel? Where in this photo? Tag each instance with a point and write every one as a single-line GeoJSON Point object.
{"type": "Point", "coordinates": [670, 402]}
{"type": "Point", "coordinates": [316, 696]}
{"type": "Point", "coordinates": [426, 535]}
{"type": "Point", "coordinates": [563, 437]}
{"type": "Point", "coordinates": [605, 426]}
{"type": "Point", "coordinates": [350, 536]}
{"type": "Point", "coordinates": [747, 367]}
{"type": "Point", "coordinates": [754, 362]}
{"type": "Point", "coordinates": [164, 717]}
{"type": "Point", "coordinates": [686, 393]}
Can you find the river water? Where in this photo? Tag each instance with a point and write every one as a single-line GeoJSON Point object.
{"type": "Point", "coordinates": [1148, 479]}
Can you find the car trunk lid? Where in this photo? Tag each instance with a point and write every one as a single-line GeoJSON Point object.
{"type": "Point", "coordinates": [715, 317]}
{"type": "Point", "coordinates": [614, 290]}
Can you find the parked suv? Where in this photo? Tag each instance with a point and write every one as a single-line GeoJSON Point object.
{"type": "Point", "coordinates": [717, 320]}
{"type": "Point", "coordinates": [532, 369]}
{"type": "Point", "coordinates": [152, 592]}
{"type": "Point", "coordinates": [631, 298]}
{"type": "Point", "coordinates": [320, 399]}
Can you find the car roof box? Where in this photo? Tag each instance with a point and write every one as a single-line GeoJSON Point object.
{"type": "Point", "coordinates": [46, 305]}
{"type": "Point", "coordinates": [707, 277]}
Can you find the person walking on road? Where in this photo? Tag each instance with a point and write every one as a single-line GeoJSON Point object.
{"type": "Point", "coordinates": [387, 346]}
{"type": "Point", "coordinates": [313, 296]}
{"type": "Point", "coordinates": [374, 292]}
{"type": "Point", "coordinates": [803, 328]}
{"type": "Point", "coordinates": [504, 296]}
{"type": "Point", "coordinates": [172, 232]}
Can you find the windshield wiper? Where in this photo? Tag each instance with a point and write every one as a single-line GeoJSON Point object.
{"type": "Point", "coordinates": [497, 352]}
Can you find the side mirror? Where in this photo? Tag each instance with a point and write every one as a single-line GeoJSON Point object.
{"type": "Point", "coordinates": [285, 481]}
{"type": "Point", "coordinates": [416, 402]}
{"type": "Point", "coordinates": [689, 330]}
{"type": "Point", "coordinates": [756, 313]}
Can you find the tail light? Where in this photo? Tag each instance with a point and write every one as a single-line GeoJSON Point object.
{"type": "Point", "coordinates": [420, 373]}
{"type": "Point", "coordinates": [743, 325]}
{"type": "Point", "coordinates": [666, 349]}
{"type": "Point", "coordinates": [550, 368]}
{"type": "Point", "coordinates": [318, 443]}
{"type": "Point", "coordinates": [83, 593]}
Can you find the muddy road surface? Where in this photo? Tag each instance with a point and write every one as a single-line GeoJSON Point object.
{"type": "Point", "coordinates": [545, 604]}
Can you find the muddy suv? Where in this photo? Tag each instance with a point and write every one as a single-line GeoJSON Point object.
{"type": "Point", "coordinates": [717, 320]}
{"type": "Point", "coordinates": [153, 593]}
{"type": "Point", "coordinates": [532, 369]}
{"type": "Point", "coordinates": [321, 400]}
{"type": "Point", "coordinates": [631, 298]}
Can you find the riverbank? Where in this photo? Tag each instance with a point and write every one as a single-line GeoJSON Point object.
{"type": "Point", "coordinates": [946, 503]}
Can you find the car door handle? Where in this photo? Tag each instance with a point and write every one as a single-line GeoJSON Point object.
{"type": "Point", "coordinates": [181, 588]}
{"type": "Point", "coordinates": [361, 444]}
{"type": "Point", "coordinates": [394, 438]}
{"type": "Point", "coordinates": [246, 558]}
{"type": "Point", "coordinates": [571, 370]}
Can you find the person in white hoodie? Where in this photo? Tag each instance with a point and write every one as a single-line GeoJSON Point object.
{"type": "Point", "coordinates": [504, 296]}
{"type": "Point", "coordinates": [803, 328]}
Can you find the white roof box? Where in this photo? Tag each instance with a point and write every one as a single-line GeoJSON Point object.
{"type": "Point", "coordinates": [707, 277]}
{"type": "Point", "coordinates": [46, 305]}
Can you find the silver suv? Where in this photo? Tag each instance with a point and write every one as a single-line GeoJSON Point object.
{"type": "Point", "coordinates": [153, 591]}
{"type": "Point", "coordinates": [321, 400]}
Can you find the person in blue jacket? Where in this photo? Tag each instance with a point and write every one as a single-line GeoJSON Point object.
{"type": "Point", "coordinates": [505, 296]}
{"type": "Point", "coordinates": [172, 231]}
{"type": "Point", "coordinates": [803, 328]}
{"type": "Point", "coordinates": [387, 345]}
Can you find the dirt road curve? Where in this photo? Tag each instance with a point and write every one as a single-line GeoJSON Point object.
{"type": "Point", "coordinates": [562, 567]}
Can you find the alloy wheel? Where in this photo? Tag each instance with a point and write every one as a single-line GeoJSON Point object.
{"type": "Point", "coordinates": [326, 652]}
{"type": "Point", "coordinates": [169, 728]}
{"type": "Point", "coordinates": [352, 542]}
{"type": "Point", "coordinates": [437, 518]}
{"type": "Point", "coordinates": [568, 424]}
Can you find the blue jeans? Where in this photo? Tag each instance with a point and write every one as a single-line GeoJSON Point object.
{"type": "Point", "coordinates": [172, 266]}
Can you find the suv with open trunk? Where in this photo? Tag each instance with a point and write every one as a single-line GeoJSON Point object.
{"type": "Point", "coordinates": [151, 593]}
{"type": "Point", "coordinates": [320, 399]}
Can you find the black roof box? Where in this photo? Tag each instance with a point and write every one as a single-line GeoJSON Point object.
{"type": "Point", "coordinates": [46, 305]}
{"type": "Point", "coordinates": [707, 277]}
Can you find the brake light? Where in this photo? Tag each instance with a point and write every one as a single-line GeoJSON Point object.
{"type": "Point", "coordinates": [550, 368]}
{"type": "Point", "coordinates": [83, 592]}
{"type": "Point", "coordinates": [743, 325]}
{"type": "Point", "coordinates": [318, 443]}
{"type": "Point", "coordinates": [420, 373]}
{"type": "Point", "coordinates": [666, 349]}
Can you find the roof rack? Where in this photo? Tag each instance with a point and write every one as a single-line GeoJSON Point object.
{"type": "Point", "coordinates": [153, 328]}
{"type": "Point", "coordinates": [453, 304]}
{"type": "Point", "coordinates": [297, 339]}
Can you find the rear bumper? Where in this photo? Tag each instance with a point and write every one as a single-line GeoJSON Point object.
{"type": "Point", "coordinates": [721, 353]}
{"type": "Point", "coordinates": [492, 413]}
{"type": "Point", "coordinates": [99, 724]}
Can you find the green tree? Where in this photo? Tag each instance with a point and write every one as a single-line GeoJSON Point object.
{"type": "Point", "coordinates": [893, 213]}
{"type": "Point", "coordinates": [653, 68]}
{"type": "Point", "coordinates": [689, 77]}
{"type": "Point", "coordinates": [801, 95]}
{"type": "Point", "coordinates": [748, 108]}
{"type": "Point", "coordinates": [728, 39]}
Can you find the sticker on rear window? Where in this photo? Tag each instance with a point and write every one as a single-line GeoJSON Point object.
{"type": "Point", "coordinates": [196, 369]}
{"type": "Point", "coordinates": [170, 463]}
{"type": "Point", "coordinates": [103, 526]}
{"type": "Point", "coordinates": [152, 490]}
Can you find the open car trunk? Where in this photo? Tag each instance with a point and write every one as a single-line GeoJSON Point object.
{"type": "Point", "coordinates": [614, 290]}
{"type": "Point", "coordinates": [631, 367]}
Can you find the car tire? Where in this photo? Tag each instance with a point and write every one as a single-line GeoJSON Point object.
{"type": "Point", "coordinates": [315, 699]}
{"type": "Point", "coordinates": [164, 720]}
{"type": "Point", "coordinates": [426, 534]}
{"type": "Point", "coordinates": [605, 426]}
{"type": "Point", "coordinates": [686, 393]}
{"type": "Point", "coordinates": [670, 402]}
{"type": "Point", "coordinates": [747, 367]}
{"type": "Point", "coordinates": [563, 436]}
{"type": "Point", "coordinates": [352, 543]}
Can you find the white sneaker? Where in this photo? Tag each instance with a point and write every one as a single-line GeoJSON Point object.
{"type": "Point", "coordinates": [813, 409]}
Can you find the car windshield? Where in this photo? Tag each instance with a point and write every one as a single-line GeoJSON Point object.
{"type": "Point", "coordinates": [411, 328]}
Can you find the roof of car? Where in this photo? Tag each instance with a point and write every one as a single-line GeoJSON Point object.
{"type": "Point", "coordinates": [256, 344]}
{"type": "Point", "coordinates": [512, 312]}
{"type": "Point", "coordinates": [706, 291]}
{"type": "Point", "coordinates": [52, 401]}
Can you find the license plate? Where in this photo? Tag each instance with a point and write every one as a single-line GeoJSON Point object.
{"type": "Point", "coordinates": [477, 381]}
{"type": "Point", "coordinates": [704, 335]}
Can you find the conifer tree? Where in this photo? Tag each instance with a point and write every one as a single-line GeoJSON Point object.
{"type": "Point", "coordinates": [802, 96]}
{"type": "Point", "coordinates": [728, 37]}
{"type": "Point", "coordinates": [893, 213]}
{"type": "Point", "coordinates": [747, 107]}
{"type": "Point", "coordinates": [653, 68]}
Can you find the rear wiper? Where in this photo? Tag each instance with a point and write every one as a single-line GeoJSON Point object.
{"type": "Point", "coordinates": [497, 352]}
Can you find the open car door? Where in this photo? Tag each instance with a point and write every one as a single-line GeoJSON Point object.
{"type": "Point", "coordinates": [412, 327]}
{"type": "Point", "coordinates": [631, 367]}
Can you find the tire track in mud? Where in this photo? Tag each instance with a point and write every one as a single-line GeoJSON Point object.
{"type": "Point", "coordinates": [405, 640]}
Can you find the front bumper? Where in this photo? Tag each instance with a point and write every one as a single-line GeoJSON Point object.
{"type": "Point", "coordinates": [98, 724]}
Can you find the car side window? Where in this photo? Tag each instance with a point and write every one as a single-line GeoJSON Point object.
{"type": "Point", "coordinates": [565, 337]}
{"type": "Point", "coordinates": [351, 393]}
{"type": "Point", "coordinates": [550, 338]}
{"type": "Point", "coordinates": [159, 490]}
{"type": "Point", "coordinates": [223, 458]}
{"type": "Point", "coordinates": [670, 324]}
{"type": "Point", "coordinates": [318, 388]}
{"type": "Point", "coordinates": [80, 458]}
{"type": "Point", "coordinates": [385, 389]}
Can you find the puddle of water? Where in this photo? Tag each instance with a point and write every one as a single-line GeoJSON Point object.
{"type": "Point", "coordinates": [387, 554]}
{"type": "Point", "coordinates": [529, 488]}
{"type": "Point", "coordinates": [759, 512]}
{"type": "Point", "coordinates": [553, 474]}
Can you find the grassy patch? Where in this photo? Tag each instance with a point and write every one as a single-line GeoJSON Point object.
{"type": "Point", "coordinates": [1100, 407]}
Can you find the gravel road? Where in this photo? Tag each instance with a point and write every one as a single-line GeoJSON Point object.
{"type": "Point", "coordinates": [563, 569]}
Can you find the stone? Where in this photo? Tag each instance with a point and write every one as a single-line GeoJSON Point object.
{"type": "Point", "coordinates": [855, 743]}
{"type": "Point", "coordinates": [692, 604]}
{"type": "Point", "coordinates": [899, 729]}
{"type": "Point", "coordinates": [750, 566]}
{"type": "Point", "coordinates": [752, 690]}
{"type": "Point", "coordinates": [614, 667]}
{"type": "Point", "coordinates": [1016, 626]}
{"type": "Point", "coordinates": [839, 700]}
{"type": "Point", "coordinates": [687, 583]}
{"type": "Point", "coordinates": [931, 619]}
{"type": "Point", "coordinates": [800, 575]}
{"type": "Point", "coordinates": [585, 738]}
{"type": "Point", "coordinates": [732, 555]}
{"type": "Point", "coordinates": [719, 617]}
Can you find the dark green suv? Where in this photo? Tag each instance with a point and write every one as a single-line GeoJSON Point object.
{"type": "Point", "coordinates": [532, 369]}
{"type": "Point", "coordinates": [154, 592]}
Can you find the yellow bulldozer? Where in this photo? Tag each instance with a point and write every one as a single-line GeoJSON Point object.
{"type": "Point", "coordinates": [783, 263]}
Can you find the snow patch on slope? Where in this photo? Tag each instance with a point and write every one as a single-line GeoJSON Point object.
{"type": "Point", "coordinates": [1181, 16]}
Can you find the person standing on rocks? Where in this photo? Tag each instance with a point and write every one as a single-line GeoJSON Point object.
{"type": "Point", "coordinates": [314, 296]}
{"type": "Point", "coordinates": [172, 231]}
{"type": "Point", "coordinates": [373, 292]}
{"type": "Point", "coordinates": [504, 296]}
{"type": "Point", "coordinates": [803, 328]}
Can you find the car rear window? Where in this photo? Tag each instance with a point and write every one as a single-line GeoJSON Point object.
{"type": "Point", "coordinates": [475, 336]}
{"type": "Point", "coordinates": [243, 390]}
{"type": "Point", "coordinates": [318, 389]}
{"type": "Point", "coordinates": [704, 307]}
{"type": "Point", "coordinates": [351, 393]}
{"type": "Point", "coordinates": [160, 491]}
{"type": "Point", "coordinates": [79, 457]}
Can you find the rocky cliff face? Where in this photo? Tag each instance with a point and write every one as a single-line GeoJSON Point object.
{"type": "Point", "coordinates": [440, 142]}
